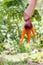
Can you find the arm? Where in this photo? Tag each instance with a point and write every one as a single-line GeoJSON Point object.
{"type": "Point", "coordinates": [30, 9]}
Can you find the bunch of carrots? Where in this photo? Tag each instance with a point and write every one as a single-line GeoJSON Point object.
{"type": "Point", "coordinates": [28, 28]}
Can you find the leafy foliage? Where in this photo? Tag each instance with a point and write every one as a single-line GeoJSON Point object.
{"type": "Point", "coordinates": [11, 17]}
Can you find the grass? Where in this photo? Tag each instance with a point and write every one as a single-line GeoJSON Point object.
{"type": "Point", "coordinates": [36, 58]}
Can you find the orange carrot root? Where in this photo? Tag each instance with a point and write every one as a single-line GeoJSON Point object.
{"type": "Point", "coordinates": [24, 31]}
{"type": "Point", "coordinates": [22, 36]}
{"type": "Point", "coordinates": [34, 33]}
{"type": "Point", "coordinates": [29, 35]}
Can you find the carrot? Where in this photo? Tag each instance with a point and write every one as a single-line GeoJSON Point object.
{"type": "Point", "coordinates": [33, 32]}
{"type": "Point", "coordinates": [22, 35]}
{"type": "Point", "coordinates": [29, 35]}
{"type": "Point", "coordinates": [24, 31]}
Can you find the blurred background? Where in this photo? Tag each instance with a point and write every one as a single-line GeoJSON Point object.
{"type": "Point", "coordinates": [11, 25]}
